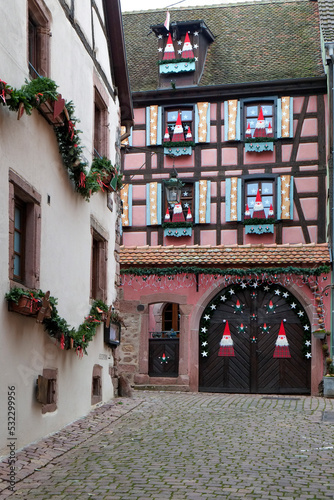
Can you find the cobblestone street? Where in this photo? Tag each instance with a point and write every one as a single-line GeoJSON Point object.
{"type": "Point", "coordinates": [185, 446]}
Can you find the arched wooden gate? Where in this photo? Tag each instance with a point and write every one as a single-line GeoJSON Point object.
{"type": "Point", "coordinates": [255, 315]}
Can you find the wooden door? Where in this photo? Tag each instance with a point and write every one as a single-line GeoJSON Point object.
{"type": "Point", "coordinates": [255, 316]}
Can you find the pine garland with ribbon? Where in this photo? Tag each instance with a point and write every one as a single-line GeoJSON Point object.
{"type": "Point", "coordinates": [267, 271]}
{"type": "Point", "coordinates": [58, 328]}
{"type": "Point", "coordinates": [175, 61]}
{"type": "Point", "coordinates": [30, 96]}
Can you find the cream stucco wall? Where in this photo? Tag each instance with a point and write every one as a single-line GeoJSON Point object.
{"type": "Point", "coordinates": [29, 148]}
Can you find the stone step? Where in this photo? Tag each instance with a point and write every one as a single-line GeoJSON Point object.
{"type": "Point", "coordinates": [163, 388]}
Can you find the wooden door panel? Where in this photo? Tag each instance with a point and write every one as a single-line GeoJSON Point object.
{"type": "Point", "coordinates": [254, 368]}
{"type": "Point", "coordinates": [158, 348]}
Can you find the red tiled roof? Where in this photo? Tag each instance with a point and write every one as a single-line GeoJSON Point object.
{"type": "Point", "coordinates": [221, 255]}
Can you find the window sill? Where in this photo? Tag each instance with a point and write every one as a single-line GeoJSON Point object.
{"type": "Point", "coordinates": [178, 231]}
{"type": "Point", "coordinates": [258, 147]}
{"type": "Point", "coordinates": [178, 151]}
{"type": "Point", "coordinates": [181, 67]}
{"type": "Point", "coordinates": [259, 228]}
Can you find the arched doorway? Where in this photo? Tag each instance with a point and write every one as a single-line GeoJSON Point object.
{"type": "Point", "coordinates": [255, 338]}
{"type": "Point", "coordinates": [164, 343]}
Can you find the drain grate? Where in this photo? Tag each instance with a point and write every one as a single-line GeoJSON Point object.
{"type": "Point", "coordinates": [328, 416]}
{"type": "Point", "coordinates": [281, 398]}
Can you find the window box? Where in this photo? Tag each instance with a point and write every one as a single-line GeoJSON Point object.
{"type": "Point", "coordinates": [258, 147]}
{"type": "Point", "coordinates": [328, 386]}
{"type": "Point", "coordinates": [259, 228]}
{"type": "Point", "coordinates": [178, 231]}
{"type": "Point", "coordinates": [178, 150]}
{"type": "Point", "coordinates": [180, 67]}
{"type": "Point", "coordinates": [28, 306]}
{"type": "Point", "coordinates": [53, 111]}
{"type": "Point", "coordinates": [319, 334]}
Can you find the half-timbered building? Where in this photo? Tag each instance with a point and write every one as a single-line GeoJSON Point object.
{"type": "Point", "coordinates": [225, 260]}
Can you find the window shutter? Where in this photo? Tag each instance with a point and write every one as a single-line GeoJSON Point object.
{"type": "Point", "coordinates": [285, 197]}
{"type": "Point", "coordinates": [153, 204]}
{"type": "Point", "coordinates": [284, 122]}
{"type": "Point", "coordinates": [202, 202]}
{"type": "Point", "coordinates": [126, 197]}
{"type": "Point", "coordinates": [153, 125]}
{"type": "Point", "coordinates": [128, 140]}
{"type": "Point", "coordinates": [232, 120]}
{"type": "Point", "coordinates": [42, 389]}
{"type": "Point", "coordinates": [233, 199]}
{"type": "Point", "coordinates": [202, 122]}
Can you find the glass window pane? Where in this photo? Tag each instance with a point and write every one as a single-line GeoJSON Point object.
{"type": "Point", "coordinates": [186, 115]}
{"type": "Point", "coordinates": [17, 218]}
{"type": "Point", "coordinates": [252, 111]}
{"type": "Point", "coordinates": [267, 110]}
{"type": "Point", "coordinates": [172, 116]}
{"type": "Point", "coordinates": [17, 242]}
{"type": "Point", "coordinates": [17, 265]}
{"type": "Point", "coordinates": [252, 188]}
{"type": "Point", "coordinates": [267, 188]}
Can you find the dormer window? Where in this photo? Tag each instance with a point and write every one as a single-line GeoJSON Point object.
{"type": "Point", "coordinates": [173, 131]}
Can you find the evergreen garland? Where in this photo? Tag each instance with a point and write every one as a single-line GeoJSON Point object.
{"type": "Point", "coordinates": [175, 61]}
{"type": "Point", "coordinates": [179, 144]}
{"type": "Point", "coordinates": [31, 96]}
{"type": "Point", "coordinates": [170, 271]}
{"type": "Point", "coordinates": [57, 326]}
{"type": "Point", "coordinates": [171, 225]}
{"type": "Point", "coordinates": [262, 222]}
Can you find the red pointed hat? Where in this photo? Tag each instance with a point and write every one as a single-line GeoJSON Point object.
{"type": "Point", "coordinates": [260, 117]}
{"type": "Point", "coordinates": [227, 329]}
{"type": "Point", "coordinates": [178, 130]}
{"type": "Point", "coordinates": [187, 49]}
{"type": "Point", "coordinates": [248, 131]}
{"type": "Point", "coordinates": [166, 136]}
{"type": "Point", "coordinates": [169, 52]}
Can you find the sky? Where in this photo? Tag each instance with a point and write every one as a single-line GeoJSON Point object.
{"type": "Point", "coordinates": [128, 5]}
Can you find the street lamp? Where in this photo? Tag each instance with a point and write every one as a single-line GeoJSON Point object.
{"type": "Point", "coordinates": [173, 187]}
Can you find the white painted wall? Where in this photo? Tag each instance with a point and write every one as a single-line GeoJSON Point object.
{"type": "Point", "coordinates": [29, 147]}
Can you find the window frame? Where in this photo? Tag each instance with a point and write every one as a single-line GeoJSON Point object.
{"type": "Point", "coordinates": [100, 128]}
{"type": "Point", "coordinates": [247, 179]}
{"type": "Point", "coordinates": [187, 182]}
{"type": "Point", "coordinates": [99, 262]}
{"type": "Point", "coordinates": [39, 17]}
{"type": "Point", "coordinates": [96, 396]}
{"type": "Point", "coordinates": [47, 390]}
{"type": "Point", "coordinates": [244, 103]}
{"type": "Point", "coordinates": [22, 193]}
{"type": "Point", "coordinates": [171, 109]}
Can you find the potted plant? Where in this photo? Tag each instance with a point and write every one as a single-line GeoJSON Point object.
{"type": "Point", "coordinates": [320, 333]}
{"type": "Point", "coordinates": [23, 302]}
{"type": "Point", "coordinates": [328, 379]}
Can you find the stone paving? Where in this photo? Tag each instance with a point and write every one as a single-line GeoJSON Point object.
{"type": "Point", "coordinates": [186, 446]}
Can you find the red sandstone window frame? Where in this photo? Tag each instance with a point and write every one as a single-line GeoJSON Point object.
{"type": "Point", "coordinates": [38, 43]}
{"type": "Point", "coordinates": [100, 125]}
{"type": "Point", "coordinates": [22, 194]}
{"type": "Point", "coordinates": [99, 260]}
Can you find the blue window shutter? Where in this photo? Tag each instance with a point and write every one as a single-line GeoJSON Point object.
{"type": "Point", "coordinates": [159, 206]}
{"type": "Point", "coordinates": [159, 125]}
{"type": "Point", "coordinates": [291, 117]}
{"type": "Point", "coordinates": [225, 120]}
{"type": "Point", "coordinates": [279, 119]}
{"type": "Point", "coordinates": [239, 200]}
{"type": "Point", "coordinates": [278, 191]}
{"type": "Point", "coordinates": [130, 204]}
{"type": "Point", "coordinates": [238, 124]}
{"type": "Point", "coordinates": [130, 137]}
{"type": "Point", "coordinates": [148, 121]}
{"type": "Point", "coordinates": [196, 202]}
{"type": "Point", "coordinates": [196, 123]}
{"type": "Point", "coordinates": [208, 202]}
{"type": "Point", "coordinates": [228, 200]}
{"type": "Point", "coordinates": [291, 193]}
{"type": "Point", "coordinates": [208, 121]}
{"type": "Point", "coordinates": [148, 205]}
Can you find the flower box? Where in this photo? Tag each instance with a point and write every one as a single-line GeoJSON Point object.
{"type": "Point", "coordinates": [319, 334]}
{"type": "Point", "coordinates": [28, 306]}
{"type": "Point", "coordinates": [178, 231]}
{"type": "Point", "coordinates": [258, 147]}
{"type": "Point", "coordinates": [259, 228]}
{"type": "Point", "coordinates": [180, 67]}
{"type": "Point", "coordinates": [178, 150]}
{"type": "Point", "coordinates": [53, 111]}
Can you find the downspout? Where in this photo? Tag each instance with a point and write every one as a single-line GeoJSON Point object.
{"type": "Point", "coordinates": [330, 62]}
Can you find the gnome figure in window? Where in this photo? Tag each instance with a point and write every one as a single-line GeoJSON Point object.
{"type": "Point", "coordinates": [258, 212]}
{"type": "Point", "coordinates": [226, 343]}
{"type": "Point", "coordinates": [178, 215]}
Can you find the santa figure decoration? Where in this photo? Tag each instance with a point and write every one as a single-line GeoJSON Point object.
{"type": "Point", "coordinates": [187, 49]}
{"type": "Point", "coordinates": [270, 131]}
{"type": "Point", "coordinates": [178, 213]}
{"type": "Point", "coordinates": [282, 346]}
{"type": "Point", "coordinates": [247, 212]}
{"type": "Point", "coordinates": [260, 127]}
{"type": "Point", "coordinates": [248, 133]}
{"type": "Point", "coordinates": [178, 135]}
{"type": "Point", "coordinates": [169, 52]}
{"type": "Point", "coordinates": [189, 217]}
{"type": "Point", "coordinates": [226, 343]}
{"type": "Point", "coordinates": [166, 136]}
{"type": "Point", "coordinates": [189, 136]}
{"type": "Point", "coordinates": [271, 212]}
{"type": "Point", "coordinates": [167, 216]}
{"type": "Point", "coordinates": [258, 211]}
